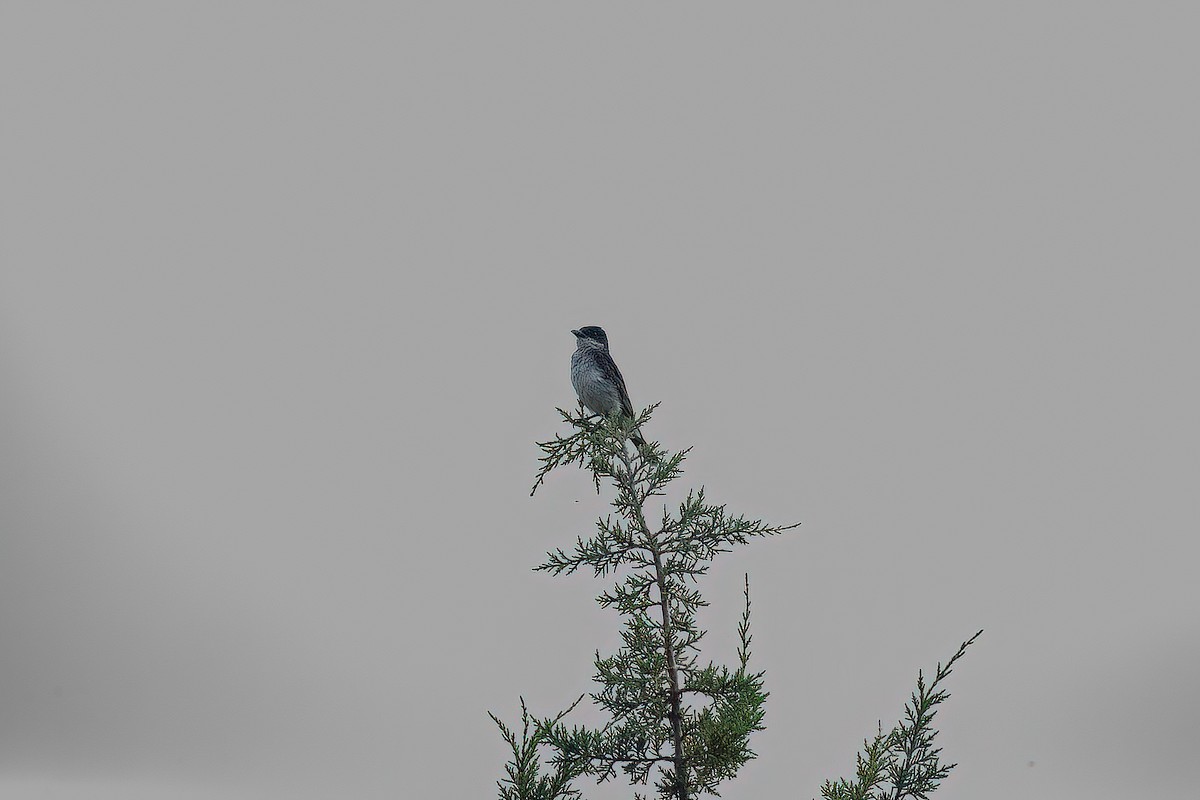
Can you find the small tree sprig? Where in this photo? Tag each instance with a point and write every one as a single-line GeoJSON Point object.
{"type": "Point", "coordinates": [904, 762]}
{"type": "Point", "coordinates": [525, 781]}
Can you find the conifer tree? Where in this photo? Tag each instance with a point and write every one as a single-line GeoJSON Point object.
{"type": "Point", "coordinates": [671, 718]}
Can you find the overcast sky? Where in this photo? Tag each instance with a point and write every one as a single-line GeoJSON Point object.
{"type": "Point", "coordinates": [285, 300]}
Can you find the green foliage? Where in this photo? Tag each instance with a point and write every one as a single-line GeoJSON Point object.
{"type": "Point", "coordinates": [525, 781]}
{"type": "Point", "coordinates": [684, 724]}
{"type": "Point", "coordinates": [671, 718]}
{"type": "Point", "coordinates": [903, 763]}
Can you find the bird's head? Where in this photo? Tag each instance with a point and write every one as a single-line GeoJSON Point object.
{"type": "Point", "coordinates": [591, 334]}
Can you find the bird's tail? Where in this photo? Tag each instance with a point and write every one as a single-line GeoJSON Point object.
{"type": "Point", "coordinates": [644, 449]}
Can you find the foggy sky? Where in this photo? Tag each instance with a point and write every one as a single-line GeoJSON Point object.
{"type": "Point", "coordinates": [285, 301]}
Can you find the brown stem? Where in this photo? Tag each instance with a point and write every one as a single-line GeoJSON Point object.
{"type": "Point", "coordinates": [675, 714]}
{"type": "Point", "coordinates": [673, 675]}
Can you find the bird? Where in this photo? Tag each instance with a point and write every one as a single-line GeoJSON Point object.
{"type": "Point", "coordinates": [597, 381]}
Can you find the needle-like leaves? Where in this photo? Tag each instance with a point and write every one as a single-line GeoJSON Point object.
{"type": "Point", "coordinates": [685, 726]}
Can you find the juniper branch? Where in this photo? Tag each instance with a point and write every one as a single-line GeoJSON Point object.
{"type": "Point", "coordinates": [903, 763]}
{"type": "Point", "coordinates": [644, 683]}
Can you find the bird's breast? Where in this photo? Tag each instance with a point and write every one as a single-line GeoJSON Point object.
{"type": "Point", "coordinates": [594, 390]}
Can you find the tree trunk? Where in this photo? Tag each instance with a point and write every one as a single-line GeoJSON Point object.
{"type": "Point", "coordinates": [681, 786]}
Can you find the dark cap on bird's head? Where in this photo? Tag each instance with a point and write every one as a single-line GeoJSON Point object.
{"type": "Point", "coordinates": [593, 332]}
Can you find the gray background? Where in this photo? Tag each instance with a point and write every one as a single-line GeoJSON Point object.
{"type": "Point", "coordinates": [285, 302]}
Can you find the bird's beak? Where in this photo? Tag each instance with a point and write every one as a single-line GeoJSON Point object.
{"type": "Point", "coordinates": [575, 332]}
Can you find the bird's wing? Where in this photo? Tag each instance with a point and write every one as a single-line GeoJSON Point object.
{"type": "Point", "coordinates": [609, 367]}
